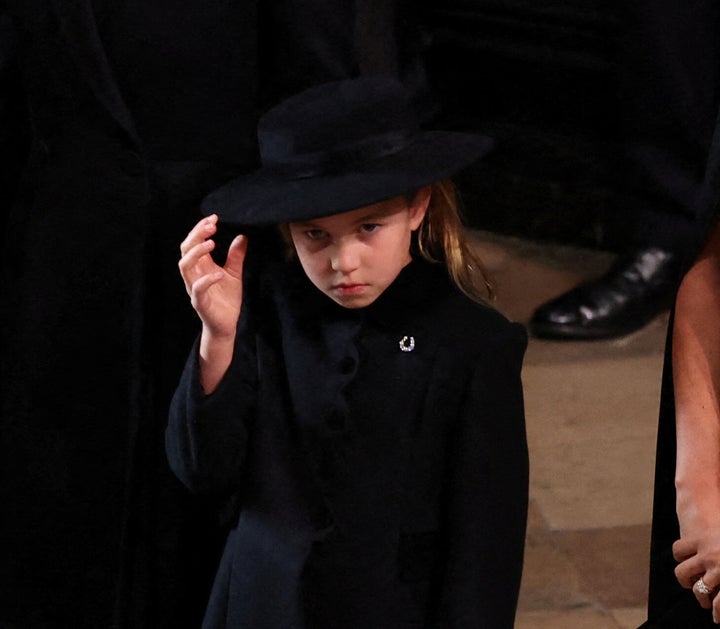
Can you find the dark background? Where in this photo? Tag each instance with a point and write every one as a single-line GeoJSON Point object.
{"type": "Point", "coordinates": [540, 78]}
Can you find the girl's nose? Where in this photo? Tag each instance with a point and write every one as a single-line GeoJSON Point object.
{"type": "Point", "coordinates": [345, 258]}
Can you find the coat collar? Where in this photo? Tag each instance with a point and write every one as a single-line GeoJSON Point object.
{"type": "Point", "coordinates": [416, 288]}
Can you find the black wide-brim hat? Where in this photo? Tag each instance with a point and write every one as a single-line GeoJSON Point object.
{"type": "Point", "coordinates": [339, 146]}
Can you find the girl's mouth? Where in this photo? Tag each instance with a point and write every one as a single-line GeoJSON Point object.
{"type": "Point", "coordinates": [349, 289]}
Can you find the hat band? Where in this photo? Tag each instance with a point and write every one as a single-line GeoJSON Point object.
{"type": "Point", "coordinates": [339, 159]}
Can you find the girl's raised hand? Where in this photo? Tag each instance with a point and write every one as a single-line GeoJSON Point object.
{"type": "Point", "coordinates": [215, 292]}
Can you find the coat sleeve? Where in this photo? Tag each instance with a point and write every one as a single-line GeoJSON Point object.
{"type": "Point", "coordinates": [207, 435]}
{"type": "Point", "coordinates": [487, 493]}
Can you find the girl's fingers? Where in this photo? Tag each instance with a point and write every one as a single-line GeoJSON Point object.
{"type": "Point", "coordinates": [202, 230]}
{"type": "Point", "coordinates": [236, 256]}
{"type": "Point", "coordinates": [199, 288]}
{"type": "Point", "coordinates": [197, 262]}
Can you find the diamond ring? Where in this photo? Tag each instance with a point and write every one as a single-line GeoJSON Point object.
{"type": "Point", "coordinates": [701, 587]}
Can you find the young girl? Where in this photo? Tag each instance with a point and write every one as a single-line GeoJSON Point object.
{"type": "Point", "coordinates": [359, 399]}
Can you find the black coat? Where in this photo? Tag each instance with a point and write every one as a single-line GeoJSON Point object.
{"type": "Point", "coordinates": [377, 487]}
{"type": "Point", "coordinates": [93, 311]}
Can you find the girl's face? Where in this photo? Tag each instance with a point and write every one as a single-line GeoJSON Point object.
{"type": "Point", "coordinates": [354, 256]}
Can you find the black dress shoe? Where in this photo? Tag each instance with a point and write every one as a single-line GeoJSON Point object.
{"type": "Point", "coordinates": [640, 285]}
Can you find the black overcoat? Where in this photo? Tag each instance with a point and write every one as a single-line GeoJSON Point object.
{"type": "Point", "coordinates": [93, 310]}
{"type": "Point", "coordinates": [376, 487]}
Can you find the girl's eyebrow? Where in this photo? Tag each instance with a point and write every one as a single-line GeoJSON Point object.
{"type": "Point", "coordinates": [372, 216]}
{"type": "Point", "coordinates": [306, 224]}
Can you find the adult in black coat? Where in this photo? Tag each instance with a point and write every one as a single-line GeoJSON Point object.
{"type": "Point", "coordinates": [128, 131]}
{"type": "Point", "coordinates": [123, 116]}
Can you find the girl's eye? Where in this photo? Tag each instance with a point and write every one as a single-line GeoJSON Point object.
{"type": "Point", "coordinates": [315, 234]}
{"type": "Point", "coordinates": [369, 228]}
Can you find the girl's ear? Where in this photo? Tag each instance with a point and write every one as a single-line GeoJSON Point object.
{"type": "Point", "coordinates": [418, 206]}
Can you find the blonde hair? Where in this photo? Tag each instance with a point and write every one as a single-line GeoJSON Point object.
{"type": "Point", "coordinates": [442, 237]}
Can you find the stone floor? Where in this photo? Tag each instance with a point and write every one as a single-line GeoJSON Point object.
{"type": "Point", "coordinates": [591, 411]}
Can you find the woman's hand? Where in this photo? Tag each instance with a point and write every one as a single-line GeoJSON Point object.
{"type": "Point", "coordinates": [698, 554]}
{"type": "Point", "coordinates": [215, 292]}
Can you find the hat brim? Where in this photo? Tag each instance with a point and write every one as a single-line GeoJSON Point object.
{"type": "Point", "coordinates": [264, 197]}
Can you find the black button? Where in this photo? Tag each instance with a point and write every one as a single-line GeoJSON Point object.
{"type": "Point", "coordinates": [347, 365]}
